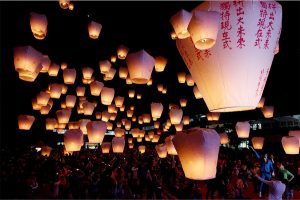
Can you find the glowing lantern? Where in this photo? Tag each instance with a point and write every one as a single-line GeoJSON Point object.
{"type": "Point", "coordinates": [64, 89]}
{"type": "Point", "coordinates": [53, 69]}
{"type": "Point", "coordinates": [142, 149]}
{"type": "Point", "coordinates": [130, 140]}
{"type": "Point", "coordinates": [198, 152]}
{"type": "Point", "coordinates": [105, 65]}
{"type": "Point", "coordinates": [234, 81]}
{"type": "Point", "coordinates": [50, 103]}
{"type": "Point", "coordinates": [181, 77]}
{"type": "Point", "coordinates": [186, 120]}
{"type": "Point", "coordinates": [160, 87]}
{"type": "Point", "coordinates": [242, 129]}
{"type": "Point", "coordinates": [51, 123]}
{"type": "Point", "coordinates": [113, 59]}
{"type": "Point", "coordinates": [35, 105]}
{"type": "Point", "coordinates": [131, 93]}
{"type": "Point", "coordinates": [38, 25]}
{"type": "Point", "coordinates": [203, 29]}
{"type": "Point", "coordinates": [70, 101]}
{"type": "Point", "coordinates": [111, 108]}
{"type": "Point", "coordinates": [109, 126]}
{"type": "Point", "coordinates": [25, 122]}
{"type": "Point", "coordinates": [119, 101]}
{"type": "Point", "coordinates": [45, 63]}
{"type": "Point", "coordinates": [80, 91]}
{"type": "Point", "coordinates": [123, 72]}
{"type": "Point", "coordinates": [130, 146]}
{"type": "Point", "coordinates": [173, 36]}
{"type": "Point", "coordinates": [156, 110]}
{"type": "Point", "coordinates": [88, 81]}
{"type": "Point", "coordinates": [189, 80]}
{"type": "Point", "coordinates": [160, 63]}
{"type": "Point", "coordinates": [119, 132]}
{"type": "Point", "coordinates": [118, 144]}
{"type": "Point", "coordinates": [178, 127]}
{"type": "Point", "coordinates": [74, 125]}
{"type": "Point", "coordinates": [105, 146]}
{"type": "Point", "coordinates": [131, 107]}
{"type": "Point", "coordinates": [113, 116]}
{"type": "Point", "coordinates": [87, 72]}
{"type": "Point", "coordinates": [128, 81]}
{"type": "Point", "coordinates": [296, 134]}
{"type": "Point", "coordinates": [147, 138]}
{"type": "Point", "coordinates": [139, 96]}
{"type": "Point", "coordinates": [261, 102]}
{"type": "Point", "coordinates": [110, 74]}
{"type": "Point", "coordinates": [71, 6]}
{"type": "Point", "coordinates": [180, 22]}
{"type": "Point", "coordinates": [164, 90]}
{"type": "Point", "coordinates": [268, 111]}
{"type": "Point", "coordinates": [42, 98]}
{"type": "Point", "coordinates": [140, 65]}
{"type": "Point", "coordinates": [290, 144]}
{"type": "Point", "coordinates": [161, 150]}
{"type": "Point", "coordinates": [27, 62]}
{"type": "Point", "coordinates": [79, 110]}
{"type": "Point", "coordinates": [98, 115]}
{"type": "Point", "coordinates": [129, 113]}
{"type": "Point", "coordinates": [96, 88]}
{"type": "Point", "coordinates": [69, 76]}
{"type": "Point", "coordinates": [88, 108]}
{"type": "Point", "coordinates": [175, 115]}
{"type": "Point", "coordinates": [149, 82]}
{"type": "Point", "coordinates": [168, 123]}
{"type": "Point", "coordinates": [139, 139]}
{"type": "Point", "coordinates": [156, 124]}
{"type": "Point", "coordinates": [223, 138]}
{"type": "Point", "coordinates": [46, 151]}
{"type": "Point", "coordinates": [55, 90]}
{"type": "Point", "coordinates": [122, 52]}
{"type": "Point", "coordinates": [122, 108]}
{"type": "Point", "coordinates": [146, 118]}
{"type": "Point", "coordinates": [96, 131]}
{"type": "Point", "coordinates": [151, 135]}
{"type": "Point", "coordinates": [213, 116]}
{"type": "Point", "coordinates": [73, 140]}
{"type": "Point", "coordinates": [258, 142]}
{"type": "Point", "coordinates": [63, 66]}
{"type": "Point", "coordinates": [127, 125]}
{"type": "Point", "coordinates": [107, 95]}
{"type": "Point", "coordinates": [119, 124]}
{"type": "Point", "coordinates": [105, 116]}
{"type": "Point", "coordinates": [133, 119]}
{"type": "Point", "coordinates": [170, 146]}
{"type": "Point", "coordinates": [155, 138]}
{"type": "Point", "coordinates": [197, 93]}
{"type": "Point", "coordinates": [63, 116]}
{"type": "Point", "coordinates": [83, 125]}
{"type": "Point", "coordinates": [45, 110]}
{"type": "Point", "coordinates": [183, 102]}
{"type": "Point", "coordinates": [135, 132]}
{"type": "Point", "coordinates": [94, 29]}
{"type": "Point", "coordinates": [64, 4]}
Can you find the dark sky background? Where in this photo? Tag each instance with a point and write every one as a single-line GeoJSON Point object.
{"type": "Point", "coordinates": [137, 25]}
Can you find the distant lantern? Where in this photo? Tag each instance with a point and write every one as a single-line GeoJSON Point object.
{"type": "Point", "coordinates": [276, 50]}
{"type": "Point", "coordinates": [64, 89]}
{"type": "Point", "coordinates": [119, 132]}
{"type": "Point", "coordinates": [128, 125]}
{"type": "Point", "coordinates": [107, 95]}
{"type": "Point", "coordinates": [183, 102]}
{"type": "Point", "coordinates": [213, 116]}
{"type": "Point", "coordinates": [295, 133]}
{"type": "Point", "coordinates": [189, 80]}
{"type": "Point", "coordinates": [71, 6]}
{"type": "Point", "coordinates": [241, 89]}
{"type": "Point", "coordinates": [118, 144]}
{"type": "Point", "coordinates": [55, 90]}
{"type": "Point", "coordinates": [46, 151]}
{"type": "Point", "coordinates": [139, 139]}
{"type": "Point", "coordinates": [149, 82]}
{"type": "Point", "coordinates": [164, 91]}
{"type": "Point", "coordinates": [105, 116]}
{"type": "Point", "coordinates": [130, 140]}
{"type": "Point", "coordinates": [109, 126]}
{"type": "Point", "coordinates": [146, 118]}
{"type": "Point", "coordinates": [43, 98]}
{"type": "Point", "coordinates": [87, 72]}
{"type": "Point", "coordinates": [128, 81]}
{"type": "Point", "coordinates": [160, 63]}
{"type": "Point", "coordinates": [119, 101]}
{"type": "Point", "coordinates": [161, 150]}
{"type": "Point", "coordinates": [111, 108]}
{"type": "Point", "coordinates": [224, 138]}
{"type": "Point", "coordinates": [50, 103]}
{"type": "Point", "coordinates": [131, 107]}
{"type": "Point", "coordinates": [63, 65]}
{"type": "Point", "coordinates": [160, 87]}
{"type": "Point", "coordinates": [203, 28]}
{"type": "Point", "coordinates": [105, 65]}
{"type": "Point", "coordinates": [46, 62]}
{"type": "Point", "coordinates": [147, 138]}
{"type": "Point", "coordinates": [198, 151]}
{"type": "Point", "coordinates": [105, 146]}
{"type": "Point", "coordinates": [113, 117]}
{"type": "Point", "coordinates": [96, 88]}
{"type": "Point", "coordinates": [122, 108]}
{"type": "Point", "coordinates": [79, 110]}
{"type": "Point", "coordinates": [178, 127]}
{"type": "Point", "coordinates": [110, 74]}
{"type": "Point", "coordinates": [170, 146]}
{"type": "Point", "coordinates": [64, 4]}
{"type": "Point", "coordinates": [88, 108]}
{"type": "Point", "coordinates": [139, 96]}
{"type": "Point", "coordinates": [35, 105]}
{"type": "Point", "coordinates": [45, 110]}
{"type": "Point", "coordinates": [173, 35]}
{"type": "Point", "coordinates": [98, 115]}
{"type": "Point", "coordinates": [175, 115]}
{"type": "Point", "coordinates": [61, 125]}
{"type": "Point", "coordinates": [122, 52]}
{"type": "Point", "coordinates": [38, 25]}
{"type": "Point", "coordinates": [156, 110]}
{"type": "Point", "coordinates": [113, 58]}
{"type": "Point", "coordinates": [140, 65]}
{"type": "Point", "coordinates": [53, 69]}
{"type": "Point", "coordinates": [69, 76]}
{"type": "Point", "coordinates": [186, 120]}
{"type": "Point", "coordinates": [74, 125]}
{"type": "Point", "coordinates": [25, 122]}
{"type": "Point", "coordinates": [80, 90]}
{"type": "Point", "coordinates": [258, 142]}
{"type": "Point", "coordinates": [70, 101]}
{"type": "Point", "coordinates": [151, 135]}
{"type": "Point", "coordinates": [88, 81]}
{"type": "Point", "coordinates": [142, 149]}
{"type": "Point", "coordinates": [133, 118]}
{"type": "Point", "coordinates": [155, 138]}
{"type": "Point", "coordinates": [131, 93]}
{"type": "Point", "coordinates": [168, 123]}
{"type": "Point", "coordinates": [180, 22]}
{"type": "Point", "coordinates": [82, 125]}
{"type": "Point", "coordinates": [268, 111]}
{"type": "Point", "coordinates": [94, 29]}
{"type": "Point", "coordinates": [242, 129]}
{"type": "Point", "coordinates": [290, 144]}
{"type": "Point", "coordinates": [73, 140]}
{"type": "Point", "coordinates": [129, 113]}
{"type": "Point", "coordinates": [261, 102]}
{"type": "Point", "coordinates": [123, 72]}
{"type": "Point", "coordinates": [63, 116]}
{"type": "Point", "coordinates": [96, 131]}
{"type": "Point", "coordinates": [181, 77]}
{"type": "Point", "coordinates": [51, 124]}
{"type": "Point", "coordinates": [197, 93]}
{"type": "Point", "coordinates": [135, 132]}
{"type": "Point", "coordinates": [156, 124]}
{"type": "Point", "coordinates": [27, 62]}
{"type": "Point", "coordinates": [130, 145]}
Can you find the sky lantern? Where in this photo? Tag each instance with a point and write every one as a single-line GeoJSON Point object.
{"type": "Point", "coordinates": [290, 144]}
{"type": "Point", "coordinates": [105, 116]}
{"type": "Point", "coordinates": [213, 116]}
{"type": "Point", "coordinates": [38, 25]}
{"type": "Point", "coordinates": [45, 110]}
{"type": "Point", "coordinates": [139, 96]}
{"type": "Point", "coordinates": [64, 4]}
{"type": "Point", "coordinates": [63, 116]}
{"type": "Point", "coordinates": [224, 138]}
{"type": "Point", "coordinates": [88, 81]}
{"type": "Point", "coordinates": [80, 90]}
{"type": "Point", "coordinates": [186, 120]}
{"type": "Point", "coordinates": [123, 72]}
{"type": "Point", "coordinates": [258, 142]}
{"type": "Point", "coordinates": [55, 90]}
{"type": "Point", "coordinates": [173, 35]}
{"type": "Point", "coordinates": [94, 29]}
{"type": "Point", "coordinates": [175, 115]}
{"type": "Point", "coordinates": [261, 102]}
{"type": "Point", "coordinates": [147, 138]}
{"type": "Point", "coordinates": [139, 139]}
{"type": "Point", "coordinates": [113, 58]}
{"type": "Point", "coordinates": [51, 124]}
{"type": "Point", "coordinates": [127, 125]}
{"type": "Point", "coordinates": [242, 129]}
{"type": "Point", "coordinates": [131, 93]}
{"type": "Point", "coordinates": [295, 133]}
{"type": "Point", "coordinates": [122, 108]}
{"type": "Point", "coordinates": [197, 93]}
{"type": "Point", "coordinates": [183, 102]}
{"type": "Point", "coordinates": [74, 125]}
{"type": "Point", "coordinates": [156, 110]}
{"type": "Point", "coordinates": [87, 72]}
{"type": "Point", "coordinates": [232, 74]}
{"type": "Point", "coordinates": [105, 146]}
{"type": "Point", "coordinates": [119, 101]}
{"type": "Point", "coordinates": [109, 126]}
{"type": "Point", "coordinates": [64, 89]}
{"type": "Point", "coordinates": [146, 118]}
{"type": "Point", "coordinates": [35, 105]}
{"type": "Point", "coordinates": [149, 83]}
{"type": "Point", "coordinates": [112, 108]}
{"type": "Point", "coordinates": [140, 65]}
{"type": "Point", "coordinates": [128, 81]}
{"type": "Point", "coordinates": [129, 113]}
{"type": "Point", "coordinates": [113, 116]}
{"type": "Point", "coordinates": [42, 98]}
{"type": "Point", "coordinates": [69, 76]}
{"type": "Point", "coordinates": [96, 131]}
{"type": "Point", "coordinates": [107, 95]}
{"type": "Point", "coordinates": [46, 151]}
{"type": "Point", "coordinates": [180, 22]}
{"type": "Point", "coordinates": [63, 65]}
{"type": "Point", "coordinates": [53, 69]}
{"type": "Point", "coordinates": [88, 108]}
{"type": "Point", "coordinates": [110, 74]}
{"type": "Point", "coordinates": [98, 115]}
{"type": "Point", "coordinates": [46, 62]}
{"type": "Point", "coordinates": [181, 77]}
{"type": "Point", "coordinates": [119, 132]}
{"type": "Point", "coordinates": [160, 87]}
{"type": "Point", "coordinates": [25, 122]}
{"type": "Point", "coordinates": [268, 111]}
{"type": "Point", "coordinates": [82, 125]}
{"type": "Point", "coordinates": [105, 65]}
{"type": "Point", "coordinates": [73, 140]}
{"type": "Point", "coordinates": [142, 149]}
{"type": "Point", "coordinates": [161, 150]}
{"type": "Point", "coordinates": [96, 88]}
{"type": "Point", "coordinates": [164, 91]}
{"type": "Point", "coordinates": [189, 80]}
{"type": "Point", "coordinates": [135, 132]}
{"type": "Point", "coordinates": [71, 6]}
{"type": "Point", "coordinates": [155, 139]}
{"type": "Point", "coordinates": [170, 146]}
{"type": "Point", "coordinates": [178, 127]}
{"type": "Point", "coordinates": [122, 52]}
{"type": "Point", "coordinates": [198, 151]}
{"type": "Point", "coordinates": [118, 144]}
{"type": "Point", "coordinates": [160, 63]}
{"type": "Point", "coordinates": [203, 28]}
{"type": "Point", "coordinates": [27, 62]}
{"type": "Point", "coordinates": [130, 140]}
{"type": "Point", "coordinates": [156, 124]}
{"type": "Point", "coordinates": [70, 101]}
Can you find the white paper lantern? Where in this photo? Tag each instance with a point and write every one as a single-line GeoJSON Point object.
{"type": "Point", "coordinates": [25, 122]}
{"type": "Point", "coordinates": [42, 98]}
{"type": "Point", "coordinates": [122, 52]}
{"type": "Point", "coordinates": [55, 90]}
{"type": "Point", "coordinates": [146, 118]}
{"type": "Point", "coordinates": [105, 146]}
{"type": "Point", "coordinates": [38, 25]}
{"type": "Point", "coordinates": [88, 108]}
{"type": "Point", "coordinates": [161, 150]}
{"type": "Point", "coordinates": [123, 72]}
{"type": "Point", "coordinates": [80, 91]}
{"type": "Point", "coordinates": [107, 95]}
{"type": "Point", "coordinates": [290, 144]}
{"type": "Point", "coordinates": [142, 149]}
{"type": "Point", "coordinates": [46, 151]}
{"type": "Point", "coordinates": [135, 132]}
{"type": "Point", "coordinates": [109, 126]}
{"type": "Point", "coordinates": [119, 132]}
{"type": "Point", "coordinates": [110, 74]}
{"type": "Point", "coordinates": [45, 110]}
{"type": "Point", "coordinates": [113, 58]}
{"type": "Point", "coordinates": [46, 62]}
{"type": "Point", "coordinates": [156, 110]}
{"type": "Point", "coordinates": [213, 116]}
{"type": "Point", "coordinates": [63, 116]}
{"type": "Point", "coordinates": [105, 65]}
{"type": "Point", "coordinates": [156, 124]}
{"type": "Point", "coordinates": [180, 22]}
{"type": "Point", "coordinates": [242, 129]}
{"type": "Point", "coordinates": [189, 80]}
{"type": "Point", "coordinates": [118, 144]}
{"type": "Point", "coordinates": [183, 102]}
{"type": "Point", "coordinates": [181, 77]}
{"type": "Point", "coordinates": [73, 140]}
{"type": "Point", "coordinates": [69, 76]}
{"type": "Point", "coordinates": [186, 120]}
{"type": "Point", "coordinates": [130, 140]}
{"type": "Point", "coordinates": [268, 111]}
{"type": "Point", "coordinates": [170, 146]}
{"type": "Point", "coordinates": [295, 133]}
{"type": "Point", "coordinates": [96, 88]}
{"type": "Point", "coordinates": [53, 69]}
{"type": "Point", "coordinates": [94, 29]}
{"type": "Point", "coordinates": [51, 123]}
{"type": "Point", "coordinates": [155, 138]}
{"type": "Point", "coordinates": [160, 63]}
{"type": "Point", "coordinates": [105, 116]}
{"type": "Point", "coordinates": [258, 142]}
{"type": "Point", "coordinates": [74, 125]}
{"type": "Point", "coordinates": [96, 131]}
{"type": "Point", "coordinates": [87, 72]}
{"type": "Point", "coordinates": [175, 115]}
{"type": "Point", "coordinates": [70, 101]}
{"type": "Point", "coordinates": [178, 127]}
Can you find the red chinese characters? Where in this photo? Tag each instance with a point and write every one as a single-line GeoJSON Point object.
{"type": "Point", "coordinates": [239, 7]}
{"type": "Point", "coordinates": [225, 24]}
{"type": "Point", "coordinates": [262, 80]}
{"type": "Point", "coordinates": [270, 28]}
{"type": "Point", "coordinates": [185, 55]}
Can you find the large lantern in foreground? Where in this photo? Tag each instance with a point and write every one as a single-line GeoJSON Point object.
{"type": "Point", "coordinates": [96, 131]}
{"type": "Point", "coordinates": [73, 140]}
{"type": "Point", "coordinates": [258, 142]}
{"type": "Point", "coordinates": [25, 122]}
{"type": "Point", "coordinates": [94, 29]}
{"type": "Point", "coordinates": [290, 144]}
{"type": "Point", "coordinates": [140, 65]}
{"type": "Point", "coordinates": [242, 129]}
{"type": "Point", "coordinates": [232, 74]}
{"type": "Point", "coordinates": [118, 144]}
{"type": "Point", "coordinates": [198, 151]}
{"type": "Point", "coordinates": [38, 25]}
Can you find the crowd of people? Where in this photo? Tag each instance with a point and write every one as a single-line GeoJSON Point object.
{"type": "Point", "coordinates": [89, 174]}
